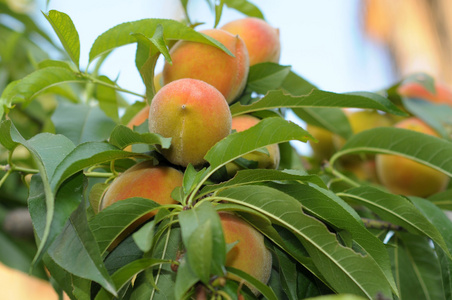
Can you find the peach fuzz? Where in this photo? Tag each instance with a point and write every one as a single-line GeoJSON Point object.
{"type": "Point", "coordinates": [442, 95]}
{"type": "Point", "coordinates": [143, 180]}
{"type": "Point", "coordinates": [264, 160]}
{"type": "Point", "coordinates": [261, 39]}
{"type": "Point", "coordinates": [249, 254]}
{"type": "Point", "coordinates": [200, 61]}
{"type": "Point", "coordinates": [404, 176]}
{"type": "Point", "coordinates": [194, 114]}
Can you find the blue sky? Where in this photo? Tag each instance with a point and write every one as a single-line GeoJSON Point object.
{"type": "Point", "coordinates": [322, 40]}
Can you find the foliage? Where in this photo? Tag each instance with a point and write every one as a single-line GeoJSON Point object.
{"type": "Point", "coordinates": [329, 233]}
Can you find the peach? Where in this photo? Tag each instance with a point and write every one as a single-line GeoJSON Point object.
{"type": "Point", "coordinates": [249, 254]}
{"type": "Point", "coordinates": [194, 114]}
{"type": "Point", "coordinates": [261, 39]}
{"type": "Point", "coordinates": [404, 176]}
{"type": "Point", "coordinates": [207, 63]}
{"type": "Point", "coordinates": [442, 95]}
{"type": "Point", "coordinates": [324, 148]}
{"type": "Point", "coordinates": [139, 118]}
{"type": "Point", "coordinates": [264, 160]}
{"type": "Point", "coordinates": [143, 180]}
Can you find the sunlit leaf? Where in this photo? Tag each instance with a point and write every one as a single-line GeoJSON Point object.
{"type": "Point", "coordinates": [68, 35]}
{"type": "Point", "coordinates": [123, 136]}
{"type": "Point", "coordinates": [344, 269]}
{"type": "Point", "coordinates": [120, 35]}
{"type": "Point", "coordinates": [426, 149]}
{"type": "Point", "coordinates": [245, 7]}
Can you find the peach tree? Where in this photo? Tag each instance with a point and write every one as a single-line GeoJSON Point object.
{"type": "Point", "coordinates": [327, 228]}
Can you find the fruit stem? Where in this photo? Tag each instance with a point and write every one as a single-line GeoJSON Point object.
{"type": "Point", "coordinates": [330, 170]}
{"type": "Point", "coordinates": [119, 89]}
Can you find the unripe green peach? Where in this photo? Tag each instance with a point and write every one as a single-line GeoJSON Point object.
{"type": "Point", "coordinates": [264, 160]}
{"type": "Point", "coordinates": [194, 114]}
{"type": "Point", "coordinates": [442, 94]}
{"type": "Point", "coordinates": [249, 254]}
{"type": "Point", "coordinates": [261, 39]}
{"type": "Point", "coordinates": [324, 148]}
{"type": "Point", "coordinates": [143, 180]}
{"type": "Point", "coordinates": [200, 61]}
{"type": "Point", "coordinates": [404, 176]}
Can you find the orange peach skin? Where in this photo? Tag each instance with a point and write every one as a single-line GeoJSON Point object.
{"type": "Point", "coordinates": [261, 39]}
{"type": "Point", "coordinates": [194, 114]}
{"type": "Point", "coordinates": [264, 161]}
{"type": "Point", "coordinates": [207, 63]}
{"type": "Point", "coordinates": [401, 175]}
{"type": "Point", "coordinates": [442, 95]}
{"type": "Point", "coordinates": [249, 254]}
{"type": "Point", "coordinates": [143, 180]}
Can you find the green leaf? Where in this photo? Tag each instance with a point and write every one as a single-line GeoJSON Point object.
{"type": "Point", "coordinates": [47, 151]}
{"type": "Point", "coordinates": [435, 115]}
{"type": "Point", "coordinates": [110, 222]}
{"type": "Point", "coordinates": [332, 119]}
{"type": "Point", "coordinates": [261, 287]}
{"type": "Point", "coordinates": [344, 269]}
{"type": "Point", "coordinates": [86, 155]}
{"type": "Point", "coordinates": [82, 123]}
{"type": "Point", "coordinates": [444, 225]}
{"type": "Point", "coordinates": [442, 199]}
{"type": "Point", "coordinates": [192, 223]}
{"type": "Point", "coordinates": [75, 250]}
{"type": "Point", "coordinates": [30, 86]}
{"type": "Point", "coordinates": [262, 175]}
{"type": "Point", "coordinates": [296, 85]}
{"type": "Point", "coordinates": [266, 76]}
{"type": "Point", "coordinates": [288, 274]}
{"type": "Point", "coordinates": [258, 136]}
{"type": "Point", "coordinates": [218, 12]}
{"type": "Point", "coordinates": [68, 35]}
{"type": "Point", "coordinates": [144, 236]}
{"type": "Point", "coordinates": [317, 98]}
{"type": "Point", "coordinates": [108, 98]}
{"type": "Point", "coordinates": [120, 35]}
{"type": "Point", "coordinates": [325, 205]}
{"type": "Point", "coordinates": [397, 210]}
{"type": "Point", "coordinates": [122, 136]}
{"type": "Point", "coordinates": [185, 279]}
{"type": "Point", "coordinates": [245, 7]}
{"type": "Point", "coordinates": [425, 149]}
{"type": "Point", "coordinates": [416, 268]}
{"type": "Point", "coordinates": [126, 273]}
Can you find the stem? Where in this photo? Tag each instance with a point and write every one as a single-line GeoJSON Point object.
{"type": "Point", "coordinates": [341, 176]}
{"type": "Point", "coordinates": [98, 174]}
{"type": "Point", "coordinates": [378, 224]}
{"type": "Point", "coordinates": [97, 81]}
{"type": "Point", "coordinates": [3, 179]}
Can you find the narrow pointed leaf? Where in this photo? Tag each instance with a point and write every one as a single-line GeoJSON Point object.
{"type": "Point", "coordinates": [266, 76]}
{"type": "Point", "coordinates": [317, 98]}
{"type": "Point", "coordinates": [30, 86]}
{"type": "Point", "coordinates": [397, 210]}
{"type": "Point", "coordinates": [110, 222]}
{"type": "Point", "coordinates": [262, 175]}
{"type": "Point", "coordinates": [267, 131]}
{"type": "Point", "coordinates": [75, 250]}
{"type": "Point", "coordinates": [416, 268]}
{"type": "Point", "coordinates": [344, 269]}
{"type": "Point", "coordinates": [68, 35]}
{"type": "Point", "coordinates": [328, 207]}
{"type": "Point", "coordinates": [266, 291]}
{"type": "Point", "coordinates": [120, 35]}
{"type": "Point", "coordinates": [426, 149]}
{"type": "Point", "coordinates": [245, 7]}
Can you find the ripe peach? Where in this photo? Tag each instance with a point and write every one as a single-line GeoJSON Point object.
{"type": "Point", "coordinates": [324, 148]}
{"type": "Point", "coordinates": [264, 160]}
{"type": "Point", "coordinates": [401, 175]}
{"type": "Point", "coordinates": [207, 63]}
{"type": "Point", "coordinates": [442, 95]}
{"type": "Point", "coordinates": [194, 114]}
{"type": "Point", "coordinates": [261, 39]}
{"type": "Point", "coordinates": [249, 254]}
{"type": "Point", "coordinates": [143, 180]}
